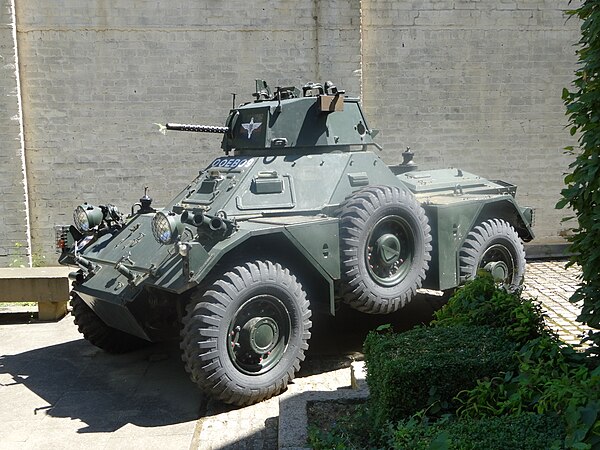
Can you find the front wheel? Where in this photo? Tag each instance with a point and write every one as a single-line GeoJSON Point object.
{"type": "Point", "coordinates": [243, 339]}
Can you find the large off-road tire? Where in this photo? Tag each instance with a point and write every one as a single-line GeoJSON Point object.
{"type": "Point", "coordinates": [493, 245]}
{"type": "Point", "coordinates": [243, 339]}
{"type": "Point", "coordinates": [385, 248]}
{"type": "Point", "coordinates": [98, 333]}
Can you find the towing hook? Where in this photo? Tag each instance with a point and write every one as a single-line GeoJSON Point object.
{"type": "Point", "coordinates": [184, 251]}
{"type": "Point", "coordinates": [87, 264]}
{"type": "Point", "coordinates": [126, 272]}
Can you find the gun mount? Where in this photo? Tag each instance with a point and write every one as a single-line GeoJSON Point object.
{"type": "Point", "coordinates": [315, 120]}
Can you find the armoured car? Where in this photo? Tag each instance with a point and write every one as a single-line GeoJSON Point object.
{"type": "Point", "coordinates": [297, 216]}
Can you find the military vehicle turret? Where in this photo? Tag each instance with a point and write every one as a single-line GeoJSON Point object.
{"type": "Point", "coordinates": [298, 214]}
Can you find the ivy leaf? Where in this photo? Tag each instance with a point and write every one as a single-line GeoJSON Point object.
{"type": "Point", "coordinates": [384, 327]}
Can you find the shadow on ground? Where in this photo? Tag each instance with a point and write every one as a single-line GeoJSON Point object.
{"type": "Point", "coordinates": [7, 318]}
{"type": "Point", "coordinates": [336, 341]}
{"type": "Point", "coordinates": [150, 388]}
{"type": "Point", "coordinates": [147, 388]}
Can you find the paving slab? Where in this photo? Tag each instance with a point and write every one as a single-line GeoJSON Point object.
{"type": "Point", "coordinates": [552, 284]}
{"type": "Point", "coordinates": [347, 384]}
{"type": "Point", "coordinates": [66, 394]}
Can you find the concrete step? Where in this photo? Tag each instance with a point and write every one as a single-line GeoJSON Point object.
{"type": "Point", "coordinates": [343, 384]}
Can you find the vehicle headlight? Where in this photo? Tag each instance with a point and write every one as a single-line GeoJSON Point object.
{"type": "Point", "coordinates": [165, 227]}
{"type": "Point", "coordinates": [87, 217]}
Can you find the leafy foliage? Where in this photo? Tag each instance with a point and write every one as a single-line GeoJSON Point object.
{"type": "Point", "coordinates": [550, 379]}
{"type": "Point", "coordinates": [544, 396]}
{"type": "Point", "coordinates": [546, 380]}
{"type": "Point", "coordinates": [582, 192]}
{"type": "Point", "coordinates": [349, 432]}
{"type": "Point", "coordinates": [481, 302]}
{"type": "Point", "coordinates": [525, 431]}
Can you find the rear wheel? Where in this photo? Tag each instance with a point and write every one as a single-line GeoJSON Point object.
{"type": "Point", "coordinates": [495, 246]}
{"type": "Point", "coordinates": [243, 339]}
{"type": "Point", "coordinates": [98, 333]}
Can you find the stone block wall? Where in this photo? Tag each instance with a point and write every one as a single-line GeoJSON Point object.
{"type": "Point", "coordinates": [473, 84]}
{"type": "Point", "coordinates": [97, 79]}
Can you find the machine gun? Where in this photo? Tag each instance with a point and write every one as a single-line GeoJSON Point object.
{"type": "Point", "coordinates": [189, 127]}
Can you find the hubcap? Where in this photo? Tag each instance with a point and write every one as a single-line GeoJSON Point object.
{"type": "Point", "coordinates": [261, 334]}
{"type": "Point", "coordinates": [498, 269]}
{"type": "Point", "coordinates": [499, 261]}
{"type": "Point", "coordinates": [258, 334]}
{"type": "Point", "coordinates": [390, 251]}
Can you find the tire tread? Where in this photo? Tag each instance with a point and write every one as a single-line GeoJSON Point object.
{"type": "Point", "coordinates": [354, 216]}
{"type": "Point", "coordinates": [206, 314]}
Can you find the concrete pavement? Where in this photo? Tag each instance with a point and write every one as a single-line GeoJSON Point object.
{"type": "Point", "coordinates": [58, 391]}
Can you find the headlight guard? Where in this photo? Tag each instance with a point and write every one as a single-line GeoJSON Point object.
{"type": "Point", "coordinates": [86, 217]}
{"type": "Point", "coordinates": [166, 227]}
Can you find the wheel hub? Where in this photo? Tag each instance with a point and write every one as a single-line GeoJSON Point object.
{"type": "Point", "coordinates": [388, 249]}
{"type": "Point", "coordinates": [498, 269]}
{"type": "Point", "coordinates": [260, 334]}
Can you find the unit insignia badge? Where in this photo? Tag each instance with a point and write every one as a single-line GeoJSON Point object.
{"type": "Point", "coordinates": [251, 126]}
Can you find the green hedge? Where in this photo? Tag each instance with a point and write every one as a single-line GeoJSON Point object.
{"type": "Point", "coordinates": [428, 366]}
{"type": "Point", "coordinates": [524, 432]}
{"type": "Point", "coordinates": [487, 374]}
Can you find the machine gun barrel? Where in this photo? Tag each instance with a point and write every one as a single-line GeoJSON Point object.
{"type": "Point", "coordinates": [196, 128]}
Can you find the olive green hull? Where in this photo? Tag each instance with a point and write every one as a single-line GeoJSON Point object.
{"type": "Point", "coordinates": [291, 201]}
